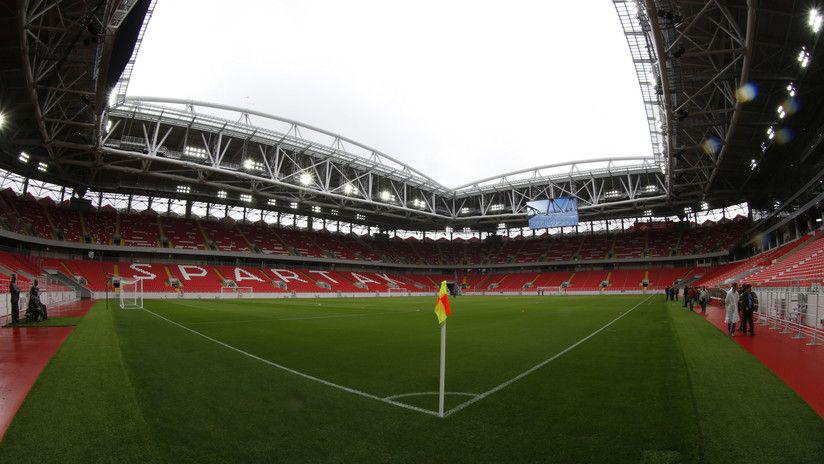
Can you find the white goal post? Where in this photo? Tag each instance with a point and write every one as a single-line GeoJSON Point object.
{"type": "Point", "coordinates": [225, 292]}
{"type": "Point", "coordinates": [398, 291]}
{"type": "Point", "coordinates": [131, 294]}
{"type": "Point", "coordinates": [551, 290]}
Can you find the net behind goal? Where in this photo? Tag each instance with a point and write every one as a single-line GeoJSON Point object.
{"type": "Point", "coordinates": [131, 294]}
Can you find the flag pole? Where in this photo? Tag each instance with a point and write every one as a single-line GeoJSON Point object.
{"type": "Point", "coordinates": [443, 369]}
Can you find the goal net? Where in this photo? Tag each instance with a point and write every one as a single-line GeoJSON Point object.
{"type": "Point", "coordinates": [391, 291]}
{"type": "Point", "coordinates": [551, 290]}
{"type": "Point", "coordinates": [131, 294]}
{"type": "Point", "coordinates": [237, 292]}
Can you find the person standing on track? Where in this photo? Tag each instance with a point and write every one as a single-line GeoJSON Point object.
{"type": "Point", "coordinates": [750, 305]}
{"type": "Point", "coordinates": [731, 303]}
{"type": "Point", "coordinates": [703, 299]}
{"type": "Point", "coordinates": [14, 293]}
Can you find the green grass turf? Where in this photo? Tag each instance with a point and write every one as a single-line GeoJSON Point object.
{"type": "Point", "coordinates": [659, 385]}
{"type": "Point", "coordinates": [50, 322]}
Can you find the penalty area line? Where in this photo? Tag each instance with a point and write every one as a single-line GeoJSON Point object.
{"type": "Point", "coordinates": [539, 365]}
{"type": "Point", "coordinates": [299, 373]}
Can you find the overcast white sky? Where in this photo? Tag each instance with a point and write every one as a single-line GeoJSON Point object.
{"type": "Point", "coordinates": [459, 90]}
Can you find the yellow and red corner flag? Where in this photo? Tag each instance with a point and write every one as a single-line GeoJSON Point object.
{"type": "Point", "coordinates": [442, 304]}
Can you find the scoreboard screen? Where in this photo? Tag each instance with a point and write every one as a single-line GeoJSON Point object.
{"type": "Point", "coordinates": [554, 212]}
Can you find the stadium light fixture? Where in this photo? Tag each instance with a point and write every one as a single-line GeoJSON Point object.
{"type": "Point", "coordinates": [24, 157]}
{"type": "Point", "coordinates": [112, 99]}
{"type": "Point", "coordinates": [466, 230]}
{"type": "Point", "coordinates": [688, 210]}
{"type": "Point", "coordinates": [305, 178]}
{"type": "Point", "coordinates": [647, 212]}
{"type": "Point", "coordinates": [2, 120]}
{"type": "Point", "coordinates": [360, 217]}
{"type": "Point", "coordinates": [502, 225]}
{"type": "Point", "coordinates": [418, 203]}
{"type": "Point", "coordinates": [803, 57]}
{"type": "Point", "coordinates": [316, 209]}
{"type": "Point", "coordinates": [448, 230]}
{"type": "Point", "coordinates": [386, 196]}
{"type": "Point", "coordinates": [245, 197]}
{"type": "Point", "coordinates": [651, 188]}
{"type": "Point", "coordinates": [350, 189]}
{"type": "Point", "coordinates": [194, 152]}
{"type": "Point", "coordinates": [252, 165]}
{"type": "Point", "coordinates": [613, 194]}
{"type": "Point", "coordinates": [753, 164]}
{"type": "Point", "coordinates": [791, 89]}
{"type": "Point", "coordinates": [781, 112]}
{"type": "Point", "coordinates": [293, 205]}
{"type": "Point", "coordinates": [183, 189]}
{"type": "Point", "coordinates": [770, 132]}
{"type": "Point", "coordinates": [705, 206]}
{"type": "Point", "coordinates": [42, 167]}
{"type": "Point", "coordinates": [271, 202]}
{"type": "Point", "coordinates": [334, 212]}
{"type": "Point", "coordinates": [496, 207]}
{"type": "Point", "coordinates": [814, 20]}
{"type": "Point", "coordinates": [221, 194]}
{"type": "Point", "coordinates": [465, 210]}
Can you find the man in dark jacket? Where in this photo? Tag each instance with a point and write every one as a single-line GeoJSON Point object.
{"type": "Point", "coordinates": [749, 306]}
{"type": "Point", "coordinates": [14, 293]}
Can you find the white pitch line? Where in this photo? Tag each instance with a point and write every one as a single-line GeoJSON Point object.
{"type": "Point", "coordinates": [539, 365]}
{"type": "Point", "coordinates": [404, 395]}
{"type": "Point", "coordinates": [299, 373]}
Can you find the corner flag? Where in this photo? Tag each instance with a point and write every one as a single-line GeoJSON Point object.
{"type": "Point", "coordinates": [442, 304]}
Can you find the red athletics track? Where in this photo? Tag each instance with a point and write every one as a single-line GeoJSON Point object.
{"type": "Point", "coordinates": [24, 352]}
{"type": "Point", "coordinates": [798, 365]}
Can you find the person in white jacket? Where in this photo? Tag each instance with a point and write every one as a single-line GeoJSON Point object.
{"type": "Point", "coordinates": [731, 303]}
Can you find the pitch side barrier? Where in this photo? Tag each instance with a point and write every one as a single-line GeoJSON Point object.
{"type": "Point", "coordinates": [250, 295]}
{"type": "Point", "coordinates": [794, 310]}
{"type": "Point", "coordinates": [51, 294]}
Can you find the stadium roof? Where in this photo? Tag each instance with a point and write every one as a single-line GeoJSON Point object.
{"type": "Point", "coordinates": [714, 103]}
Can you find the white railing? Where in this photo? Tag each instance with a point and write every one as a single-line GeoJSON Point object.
{"type": "Point", "coordinates": [52, 293]}
{"type": "Point", "coordinates": [798, 311]}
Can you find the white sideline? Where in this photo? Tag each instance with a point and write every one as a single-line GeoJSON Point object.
{"type": "Point", "coordinates": [298, 373]}
{"type": "Point", "coordinates": [539, 365]}
{"type": "Point", "coordinates": [390, 399]}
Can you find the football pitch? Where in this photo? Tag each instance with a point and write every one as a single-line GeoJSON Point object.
{"type": "Point", "coordinates": [530, 379]}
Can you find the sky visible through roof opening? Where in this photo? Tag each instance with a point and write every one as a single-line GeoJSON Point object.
{"type": "Point", "coordinates": [460, 90]}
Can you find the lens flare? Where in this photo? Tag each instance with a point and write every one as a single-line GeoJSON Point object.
{"type": "Point", "coordinates": [711, 145]}
{"type": "Point", "coordinates": [746, 93]}
{"type": "Point", "coordinates": [783, 135]}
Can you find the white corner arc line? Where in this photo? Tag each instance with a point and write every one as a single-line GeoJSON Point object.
{"type": "Point", "coordinates": [539, 365]}
{"type": "Point", "coordinates": [298, 373]}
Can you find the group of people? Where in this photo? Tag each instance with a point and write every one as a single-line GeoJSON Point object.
{"type": "Point", "coordinates": [690, 295]}
{"type": "Point", "coordinates": [35, 310]}
{"type": "Point", "coordinates": [741, 304]}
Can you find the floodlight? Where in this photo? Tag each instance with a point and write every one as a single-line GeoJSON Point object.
{"type": "Point", "coordinates": [350, 189]}
{"type": "Point", "coordinates": [221, 193]}
{"type": "Point", "coordinates": [2, 120]}
{"type": "Point", "coordinates": [791, 89]}
{"type": "Point", "coordinates": [24, 157]}
{"type": "Point", "coordinates": [803, 57]}
{"type": "Point", "coordinates": [42, 167]}
{"type": "Point", "coordinates": [814, 20]}
{"type": "Point", "coordinates": [385, 195]}
{"type": "Point", "coordinates": [305, 178]}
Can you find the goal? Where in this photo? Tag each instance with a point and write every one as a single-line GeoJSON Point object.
{"type": "Point", "coordinates": [131, 294]}
{"type": "Point", "coordinates": [390, 291]}
{"type": "Point", "coordinates": [551, 290]}
{"type": "Point", "coordinates": [239, 292]}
